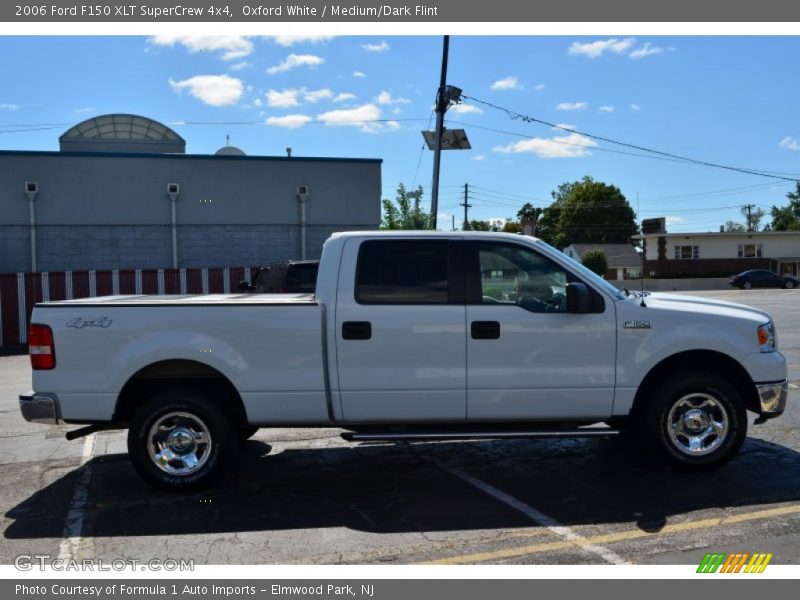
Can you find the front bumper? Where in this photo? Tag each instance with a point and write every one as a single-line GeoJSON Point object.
{"type": "Point", "coordinates": [40, 408]}
{"type": "Point", "coordinates": [772, 398]}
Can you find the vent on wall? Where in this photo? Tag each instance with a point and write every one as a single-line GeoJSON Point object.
{"type": "Point", "coordinates": [32, 187]}
{"type": "Point", "coordinates": [302, 190]}
{"type": "Point", "coordinates": [173, 188]}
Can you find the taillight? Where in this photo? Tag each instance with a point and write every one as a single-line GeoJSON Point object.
{"type": "Point", "coordinates": [41, 347]}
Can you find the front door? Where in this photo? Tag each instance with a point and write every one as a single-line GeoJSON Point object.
{"type": "Point", "coordinates": [527, 358]}
{"type": "Point", "coordinates": [401, 334]}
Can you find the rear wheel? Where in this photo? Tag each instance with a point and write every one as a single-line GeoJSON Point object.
{"type": "Point", "coordinates": [747, 285]}
{"type": "Point", "coordinates": [697, 421]}
{"type": "Point", "coordinates": [179, 439]}
{"type": "Point", "coordinates": [789, 284]}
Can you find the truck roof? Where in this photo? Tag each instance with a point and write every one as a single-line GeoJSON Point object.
{"type": "Point", "coordinates": [497, 235]}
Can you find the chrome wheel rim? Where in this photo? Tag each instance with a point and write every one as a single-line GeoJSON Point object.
{"type": "Point", "coordinates": [747, 285]}
{"type": "Point", "coordinates": [697, 424]}
{"type": "Point", "coordinates": [179, 443]}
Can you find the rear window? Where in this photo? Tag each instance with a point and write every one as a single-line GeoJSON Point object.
{"type": "Point", "coordinates": [403, 272]}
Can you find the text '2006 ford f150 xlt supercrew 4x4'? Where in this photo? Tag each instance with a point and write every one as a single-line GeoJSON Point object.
{"type": "Point", "coordinates": [410, 335]}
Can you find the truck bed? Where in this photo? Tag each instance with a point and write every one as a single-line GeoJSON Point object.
{"type": "Point", "coordinates": [187, 300]}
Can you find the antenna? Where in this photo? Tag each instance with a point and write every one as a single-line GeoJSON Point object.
{"type": "Point", "coordinates": [644, 245]}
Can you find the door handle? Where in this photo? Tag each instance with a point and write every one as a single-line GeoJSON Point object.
{"type": "Point", "coordinates": [356, 330]}
{"type": "Point", "coordinates": [485, 330]}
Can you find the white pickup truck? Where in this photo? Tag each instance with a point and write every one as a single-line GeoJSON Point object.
{"type": "Point", "coordinates": [409, 336]}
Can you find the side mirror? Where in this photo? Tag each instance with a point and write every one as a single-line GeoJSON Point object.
{"type": "Point", "coordinates": [244, 286]}
{"type": "Point", "coordinates": [578, 300]}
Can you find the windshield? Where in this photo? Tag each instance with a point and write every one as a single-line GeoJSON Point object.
{"type": "Point", "coordinates": [588, 274]}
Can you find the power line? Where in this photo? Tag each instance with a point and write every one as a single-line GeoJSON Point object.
{"type": "Point", "coordinates": [528, 119]}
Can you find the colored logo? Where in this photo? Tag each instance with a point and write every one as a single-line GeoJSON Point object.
{"type": "Point", "coordinates": [739, 562]}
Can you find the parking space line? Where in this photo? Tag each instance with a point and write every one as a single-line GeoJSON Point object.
{"type": "Point", "coordinates": [562, 531]}
{"type": "Point", "coordinates": [610, 538]}
{"type": "Point", "coordinates": [72, 543]}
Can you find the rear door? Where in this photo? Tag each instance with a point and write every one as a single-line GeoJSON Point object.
{"type": "Point", "coordinates": [527, 358]}
{"type": "Point", "coordinates": [401, 333]}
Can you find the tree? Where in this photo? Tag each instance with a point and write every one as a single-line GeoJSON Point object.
{"type": "Point", "coordinates": [753, 218]}
{"type": "Point", "coordinates": [406, 211]}
{"type": "Point", "coordinates": [595, 260]}
{"type": "Point", "coordinates": [587, 212]}
{"type": "Point", "coordinates": [787, 218]}
{"type": "Point", "coordinates": [734, 226]}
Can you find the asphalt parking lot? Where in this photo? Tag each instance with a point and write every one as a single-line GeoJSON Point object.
{"type": "Point", "coordinates": [306, 496]}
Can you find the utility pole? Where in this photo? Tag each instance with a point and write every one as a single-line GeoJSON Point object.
{"type": "Point", "coordinates": [749, 208]}
{"type": "Point", "coordinates": [466, 206]}
{"type": "Point", "coordinates": [442, 101]}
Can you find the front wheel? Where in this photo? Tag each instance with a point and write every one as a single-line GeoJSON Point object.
{"type": "Point", "coordinates": [789, 284]}
{"type": "Point", "coordinates": [747, 285]}
{"type": "Point", "coordinates": [179, 439]}
{"type": "Point", "coordinates": [697, 421]}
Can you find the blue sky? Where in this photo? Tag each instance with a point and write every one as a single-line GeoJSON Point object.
{"type": "Point", "coordinates": [729, 100]}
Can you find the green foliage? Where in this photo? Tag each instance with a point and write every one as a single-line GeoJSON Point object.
{"type": "Point", "coordinates": [478, 226]}
{"type": "Point", "coordinates": [733, 226]}
{"type": "Point", "coordinates": [587, 212]}
{"type": "Point", "coordinates": [494, 292]}
{"type": "Point", "coordinates": [528, 212]}
{"type": "Point", "coordinates": [787, 218]}
{"type": "Point", "coordinates": [595, 260]}
{"type": "Point", "coordinates": [406, 211]}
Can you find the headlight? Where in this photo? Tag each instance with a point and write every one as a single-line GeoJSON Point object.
{"type": "Point", "coordinates": [766, 337]}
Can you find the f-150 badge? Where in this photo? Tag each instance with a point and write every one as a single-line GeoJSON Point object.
{"type": "Point", "coordinates": [638, 325]}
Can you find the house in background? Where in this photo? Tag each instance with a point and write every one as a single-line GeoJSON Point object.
{"type": "Point", "coordinates": [624, 262]}
{"type": "Point", "coordinates": [720, 254]}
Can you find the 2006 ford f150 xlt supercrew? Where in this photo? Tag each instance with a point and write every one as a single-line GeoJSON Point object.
{"type": "Point", "coordinates": [410, 335]}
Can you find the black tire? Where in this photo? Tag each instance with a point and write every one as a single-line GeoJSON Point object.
{"type": "Point", "coordinates": [246, 432]}
{"type": "Point", "coordinates": [701, 399]}
{"type": "Point", "coordinates": [191, 415]}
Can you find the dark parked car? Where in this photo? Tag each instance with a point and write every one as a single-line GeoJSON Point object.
{"type": "Point", "coordinates": [763, 278]}
{"type": "Point", "coordinates": [284, 277]}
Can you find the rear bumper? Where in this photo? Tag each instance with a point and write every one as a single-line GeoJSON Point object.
{"type": "Point", "coordinates": [40, 408]}
{"type": "Point", "coordinates": [772, 398]}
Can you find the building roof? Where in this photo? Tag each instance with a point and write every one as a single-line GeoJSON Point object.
{"type": "Point", "coordinates": [618, 255]}
{"type": "Point", "coordinates": [121, 127]}
{"type": "Point", "coordinates": [717, 234]}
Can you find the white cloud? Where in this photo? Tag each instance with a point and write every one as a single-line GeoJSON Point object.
{"type": "Point", "coordinates": [290, 40]}
{"type": "Point", "coordinates": [789, 143]}
{"type": "Point", "coordinates": [573, 145]}
{"type": "Point", "coordinates": [9, 106]}
{"type": "Point", "coordinates": [215, 90]}
{"type": "Point", "coordinates": [85, 109]}
{"type": "Point", "coordinates": [465, 109]}
{"type": "Point", "coordinates": [635, 106]}
{"type": "Point", "coordinates": [647, 50]}
{"type": "Point", "coordinates": [572, 106]}
{"type": "Point", "coordinates": [231, 46]}
{"type": "Point", "coordinates": [559, 126]}
{"type": "Point", "coordinates": [317, 95]}
{"type": "Point", "coordinates": [344, 97]}
{"type": "Point", "coordinates": [258, 103]}
{"type": "Point", "coordinates": [289, 121]}
{"type": "Point", "coordinates": [507, 83]}
{"type": "Point", "coordinates": [479, 157]}
{"type": "Point", "coordinates": [294, 61]}
{"type": "Point", "coordinates": [600, 47]}
{"type": "Point", "coordinates": [283, 98]}
{"type": "Point", "coordinates": [363, 117]}
{"type": "Point", "coordinates": [386, 98]}
{"type": "Point", "coordinates": [358, 74]}
{"type": "Point", "coordinates": [539, 87]}
{"type": "Point", "coordinates": [382, 47]}
{"type": "Point", "coordinates": [239, 66]}
{"type": "Point", "coordinates": [606, 109]}
{"type": "Point", "coordinates": [673, 220]}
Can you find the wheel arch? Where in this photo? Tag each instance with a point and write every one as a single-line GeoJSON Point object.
{"type": "Point", "coordinates": [708, 361]}
{"type": "Point", "coordinates": [183, 373]}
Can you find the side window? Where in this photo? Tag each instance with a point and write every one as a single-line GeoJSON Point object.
{"type": "Point", "coordinates": [514, 275]}
{"type": "Point", "coordinates": [403, 272]}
